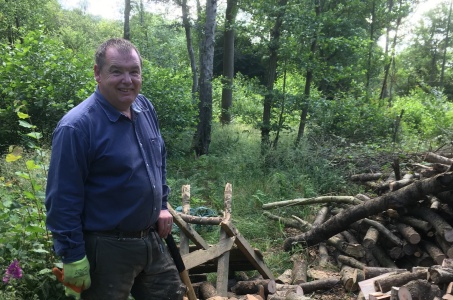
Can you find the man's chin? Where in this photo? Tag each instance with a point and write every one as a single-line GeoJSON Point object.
{"type": "Point", "coordinates": [128, 98]}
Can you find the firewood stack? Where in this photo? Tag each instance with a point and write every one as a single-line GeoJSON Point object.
{"type": "Point", "coordinates": [396, 244]}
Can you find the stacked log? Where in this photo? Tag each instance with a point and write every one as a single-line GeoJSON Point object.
{"type": "Point", "coordinates": [408, 223]}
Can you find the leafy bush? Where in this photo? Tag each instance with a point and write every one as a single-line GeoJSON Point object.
{"type": "Point", "coordinates": [169, 91]}
{"type": "Point", "coordinates": [43, 78]}
{"type": "Point", "coordinates": [247, 104]}
{"type": "Point", "coordinates": [24, 238]}
{"type": "Point", "coordinates": [426, 115]}
{"type": "Point", "coordinates": [350, 118]}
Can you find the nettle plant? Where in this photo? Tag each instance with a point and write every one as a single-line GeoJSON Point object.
{"type": "Point", "coordinates": [25, 243]}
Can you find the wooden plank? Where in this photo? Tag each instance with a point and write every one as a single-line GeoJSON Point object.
{"type": "Point", "coordinates": [184, 240]}
{"type": "Point", "coordinates": [187, 229]}
{"type": "Point", "coordinates": [247, 250]}
{"type": "Point", "coordinates": [367, 286]}
{"type": "Point", "coordinates": [449, 288]}
{"type": "Point", "coordinates": [223, 264]}
{"type": "Point", "coordinates": [374, 295]}
{"type": "Point", "coordinates": [202, 256]}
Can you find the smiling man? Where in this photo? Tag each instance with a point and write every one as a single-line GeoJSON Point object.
{"type": "Point", "coordinates": [106, 194]}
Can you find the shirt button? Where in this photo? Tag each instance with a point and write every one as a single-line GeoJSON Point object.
{"type": "Point", "coordinates": [155, 208]}
{"type": "Point", "coordinates": [154, 186]}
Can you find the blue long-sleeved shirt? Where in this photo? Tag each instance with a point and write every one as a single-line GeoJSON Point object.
{"type": "Point", "coordinates": [106, 172]}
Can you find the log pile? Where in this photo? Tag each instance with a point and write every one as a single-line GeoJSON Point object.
{"type": "Point", "coordinates": [393, 244]}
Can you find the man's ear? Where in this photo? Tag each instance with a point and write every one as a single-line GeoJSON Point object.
{"type": "Point", "coordinates": [97, 73]}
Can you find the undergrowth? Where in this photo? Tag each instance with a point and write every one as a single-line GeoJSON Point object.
{"type": "Point", "coordinates": [286, 172]}
{"type": "Point", "coordinates": [316, 167]}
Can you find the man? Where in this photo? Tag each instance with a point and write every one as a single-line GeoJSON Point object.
{"type": "Point", "coordinates": [106, 195]}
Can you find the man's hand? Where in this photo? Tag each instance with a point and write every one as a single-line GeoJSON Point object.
{"type": "Point", "coordinates": [164, 223]}
{"type": "Point", "coordinates": [77, 273]}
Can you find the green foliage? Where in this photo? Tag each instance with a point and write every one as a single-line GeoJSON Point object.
{"type": "Point", "coordinates": [168, 91]}
{"type": "Point", "coordinates": [23, 233]}
{"type": "Point", "coordinates": [83, 33]}
{"type": "Point", "coordinates": [160, 41]}
{"type": "Point", "coordinates": [16, 15]}
{"type": "Point", "coordinates": [426, 115]}
{"type": "Point", "coordinates": [247, 102]}
{"type": "Point", "coordinates": [350, 118]}
{"type": "Point", "coordinates": [43, 78]}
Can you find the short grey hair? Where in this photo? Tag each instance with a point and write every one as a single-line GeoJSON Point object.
{"type": "Point", "coordinates": [122, 45]}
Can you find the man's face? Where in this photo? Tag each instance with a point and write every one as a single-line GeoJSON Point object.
{"type": "Point", "coordinates": [120, 78]}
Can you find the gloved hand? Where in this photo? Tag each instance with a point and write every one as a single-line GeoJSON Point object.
{"type": "Point", "coordinates": [69, 292]}
{"type": "Point", "coordinates": [78, 273]}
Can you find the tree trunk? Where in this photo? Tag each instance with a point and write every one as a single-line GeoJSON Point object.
{"type": "Point", "coordinates": [282, 111]}
{"type": "Point", "coordinates": [207, 290]}
{"type": "Point", "coordinates": [350, 261]}
{"type": "Point", "coordinates": [228, 61]}
{"type": "Point", "coordinates": [188, 31]}
{"type": "Point", "coordinates": [419, 289]}
{"type": "Point", "coordinates": [299, 271]}
{"type": "Point", "coordinates": [442, 228]}
{"type": "Point", "coordinates": [440, 275]}
{"type": "Point", "coordinates": [384, 89]}
{"type": "Point", "coordinates": [385, 284]}
{"type": "Point", "coordinates": [252, 286]}
{"type": "Point", "coordinates": [127, 13]}
{"type": "Point", "coordinates": [350, 278]}
{"type": "Point", "coordinates": [371, 238]}
{"type": "Point", "coordinates": [271, 75]}
{"type": "Point", "coordinates": [370, 48]}
{"type": "Point", "coordinates": [308, 78]}
{"type": "Point", "coordinates": [371, 272]}
{"type": "Point", "coordinates": [446, 46]}
{"type": "Point", "coordinates": [321, 284]}
{"type": "Point", "coordinates": [408, 233]}
{"type": "Point", "coordinates": [435, 252]}
{"type": "Point", "coordinates": [202, 138]}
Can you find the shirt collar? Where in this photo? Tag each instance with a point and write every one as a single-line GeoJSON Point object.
{"type": "Point", "coordinates": [112, 113]}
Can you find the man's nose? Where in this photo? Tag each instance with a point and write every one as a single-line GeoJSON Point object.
{"type": "Point", "coordinates": [127, 77]}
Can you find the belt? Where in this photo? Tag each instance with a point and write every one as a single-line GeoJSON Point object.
{"type": "Point", "coordinates": [123, 234]}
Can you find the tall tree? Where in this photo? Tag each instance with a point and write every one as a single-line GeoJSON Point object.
{"type": "Point", "coordinates": [228, 61]}
{"type": "Point", "coordinates": [309, 74]}
{"type": "Point", "coordinates": [143, 28]}
{"type": "Point", "coordinates": [202, 137]}
{"type": "Point", "coordinates": [385, 92]}
{"type": "Point", "coordinates": [447, 43]}
{"type": "Point", "coordinates": [274, 45]}
{"type": "Point", "coordinates": [423, 58]}
{"type": "Point", "coordinates": [189, 44]}
{"type": "Point", "coordinates": [372, 32]}
{"type": "Point", "coordinates": [127, 13]}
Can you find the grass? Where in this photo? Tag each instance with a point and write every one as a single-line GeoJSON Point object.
{"type": "Point", "coordinates": [282, 174]}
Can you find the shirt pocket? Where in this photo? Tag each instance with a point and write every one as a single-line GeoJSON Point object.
{"type": "Point", "coordinates": [156, 150]}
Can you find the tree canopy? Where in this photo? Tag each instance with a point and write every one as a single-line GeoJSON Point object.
{"type": "Point", "coordinates": [298, 65]}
